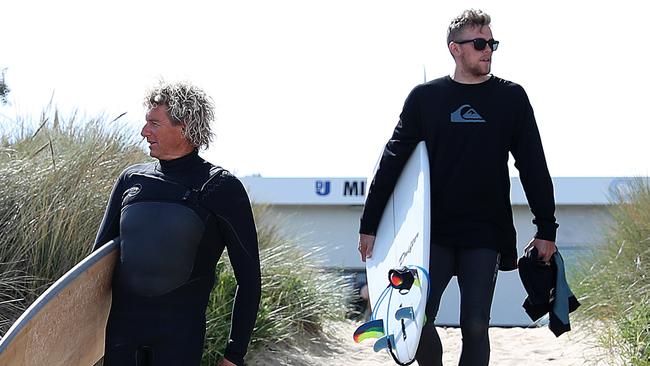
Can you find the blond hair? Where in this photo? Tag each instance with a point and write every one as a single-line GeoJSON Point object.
{"type": "Point", "coordinates": [186, 104]}
{"type": "Point", "coordinates": [468, 18]}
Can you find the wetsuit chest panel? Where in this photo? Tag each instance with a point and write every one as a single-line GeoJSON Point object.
{"type": "Point", "coordinates": [159, 245]}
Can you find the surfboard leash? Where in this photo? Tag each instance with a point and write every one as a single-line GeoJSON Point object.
{"type": "Point", "coordinates": [426, 277]}
{"type": "Point", "coordinates": [390, 349]}
{"type": "Point", "coordinates": [402, 280]}
{"type": "Point", "coordinates": [379, 301]}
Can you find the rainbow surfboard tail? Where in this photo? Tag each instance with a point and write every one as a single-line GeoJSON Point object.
{"type": "Point", "coordinates": [371, 329]}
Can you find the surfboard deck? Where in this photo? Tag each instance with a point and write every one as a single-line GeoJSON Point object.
{"type": "Point", "coordinates": [402, 240]}
{"type": "Point", "coordinates": [66, 325]}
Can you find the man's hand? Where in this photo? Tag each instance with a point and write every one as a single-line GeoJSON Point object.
{"type": "Point", "coordinates": [225, 362]}
{"type": "Point", "coordinates": [366, 243]}
{"type": "Point", "coordinates": [545, 248]}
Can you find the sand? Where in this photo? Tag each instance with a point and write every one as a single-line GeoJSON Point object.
{"type": "Point", "coordinates": [510, 346]}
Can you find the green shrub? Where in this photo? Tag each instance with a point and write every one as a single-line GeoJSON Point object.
{"type": "Point", "coordinates": [297, 296]}
{"type": "Point", "coordinates": [617, 281]}
{"type": "Point", "coordinates": [56, 180]}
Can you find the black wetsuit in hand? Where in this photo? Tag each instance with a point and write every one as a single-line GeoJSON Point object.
{"type": "Point", "coordinates": [174, 219]}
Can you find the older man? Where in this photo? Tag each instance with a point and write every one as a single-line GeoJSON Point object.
{"type": "Point", "coordinates": [470, 121]}
{"type": "Point", "coordinates": [174, 217]}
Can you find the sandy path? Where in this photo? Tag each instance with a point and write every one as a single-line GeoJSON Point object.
{"type": "Point", "coordinates": [510, 346]}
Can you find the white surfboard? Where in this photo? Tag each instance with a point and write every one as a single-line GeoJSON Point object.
{"type": "Point", "coordinates": [402, 241]}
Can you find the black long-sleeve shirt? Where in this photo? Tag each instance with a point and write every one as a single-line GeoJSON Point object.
{"type": "Point", "coordinates": [228, 223]}
{"type": "Point", "coordinates": [469, 129]}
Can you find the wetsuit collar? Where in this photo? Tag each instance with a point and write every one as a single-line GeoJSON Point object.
{"type": "Point", "coordinates": [184, 162]}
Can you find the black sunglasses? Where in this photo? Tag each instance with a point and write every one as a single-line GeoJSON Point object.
{"type": "Point", "coordinates": [480, 43]}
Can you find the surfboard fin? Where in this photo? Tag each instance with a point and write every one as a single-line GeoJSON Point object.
{"type": "Point", "coordinates": [384, 342]}
{"type": "Point", "coordinates": [405, 313]}
{"type": "Point", "coordinates": [371, 329]}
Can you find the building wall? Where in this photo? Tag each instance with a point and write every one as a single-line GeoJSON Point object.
{"type": "Point", "coordinates": [336, 228]}
{"type": "Point", "coordinates": [333, 227]}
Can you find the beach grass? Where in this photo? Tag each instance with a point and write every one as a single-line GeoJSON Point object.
{"type": "Point", "coordinates": [614, 285]}
{"type": "Point", "coordinates": [57, 175]}
{"type": "Point", "coordinates": [298, 297]}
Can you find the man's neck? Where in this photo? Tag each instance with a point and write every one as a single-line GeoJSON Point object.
{"type": "Point", "coordinates": [465, 78]}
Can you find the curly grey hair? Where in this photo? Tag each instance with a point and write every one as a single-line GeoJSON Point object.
{"type": "Point", "coordinates": [186, 104]}
{"type": "Point", "coordinates": [468, 18]}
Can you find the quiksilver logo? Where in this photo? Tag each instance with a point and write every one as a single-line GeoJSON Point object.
{"type": "Point", "coordinates": [466, 113]}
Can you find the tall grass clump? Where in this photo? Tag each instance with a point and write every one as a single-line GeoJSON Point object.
{"type": "Point", "coordinates": [56, 178]}
{"type": "Point", "coordinates": [298, 297]}
{"type": "Point", "coordinates": [617, 282]}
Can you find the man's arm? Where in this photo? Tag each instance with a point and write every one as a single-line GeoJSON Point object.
{"type": "Point", "coordinates": [238, 227]}
{"type": "Point", "coordinates": [109, 229]}
{"type": "Point", "coordinates": [406, 136]}
{"type": "Point", "coordinates": [530, 161]}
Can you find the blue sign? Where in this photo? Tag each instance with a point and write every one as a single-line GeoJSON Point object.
{"type": "Point", "coordinates": [323, 187]}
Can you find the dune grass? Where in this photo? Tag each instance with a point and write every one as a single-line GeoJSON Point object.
{"type": "Point", "coordinates": [56, 179]}
{"type": "Point", "coordinates": [297, 296]}
{"type": "Point", "coordinates": [617, 280]}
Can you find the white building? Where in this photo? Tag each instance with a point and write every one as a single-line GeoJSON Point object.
{"type": "Point", "coordinates": [325, 212]}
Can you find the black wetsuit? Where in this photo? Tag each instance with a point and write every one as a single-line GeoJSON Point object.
{"type": "Point", "coordinates": [174, 219]}
{"type": "Point", "coordinates": [469, 130]}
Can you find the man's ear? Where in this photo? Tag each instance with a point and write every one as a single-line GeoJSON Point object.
{"type": "Point", "coordinates": [454, 49]}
